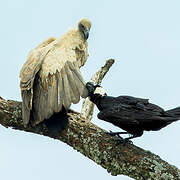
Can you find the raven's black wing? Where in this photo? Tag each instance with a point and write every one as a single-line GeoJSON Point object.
{"type": "Point", "coordinates": [135, 114]}
{"type": "Point", "coordinates": [118, 113]}
{"type": "Point", "coordinates": [138, 103]}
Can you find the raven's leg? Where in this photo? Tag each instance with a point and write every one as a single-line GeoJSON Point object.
{"type": "Point", "coordinates": [120, 140]}
{"type": "Point", "coordinates": [127, 140]}
{"type": "Point", "coordinates": [116, 133]}
{"type": "Point", "coordinates": [124, 141]}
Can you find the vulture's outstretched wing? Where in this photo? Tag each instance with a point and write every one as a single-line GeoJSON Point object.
{"type": "Point", "coordinates": [59, 83]}
{"type": "Point", "coordinates": [51, 79]}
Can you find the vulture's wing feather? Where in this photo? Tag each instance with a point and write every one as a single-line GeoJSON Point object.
{"type": "Point", "coordinates": [33, 64]}
{"type": "Point", "coordinates": [28, 73]}
{"type": "Point", "coordinates": [40, 99]}
{"type": "Point", "coordinates": [26, 96]}
{"type": "Point", "coordinates": [66, 90]}
{"type": "Point", "coordinates": [80, 83]}
{"type": "Point", "coordinates": [74, 92]}
{"type": "Point", "coordinates": [60, 80]}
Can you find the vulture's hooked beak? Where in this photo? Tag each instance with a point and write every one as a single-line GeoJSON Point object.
{"type": "Point", "coordinates": [86, 33]}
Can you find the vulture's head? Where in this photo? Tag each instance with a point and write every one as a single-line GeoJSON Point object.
{"type": "Point", "coordinates": [84, 27]}
{"type": "Point", "coordinates": [95, 89]}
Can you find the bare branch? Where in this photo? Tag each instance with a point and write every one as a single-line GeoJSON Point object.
{"type": "Point", "coordinates": [88, 106]}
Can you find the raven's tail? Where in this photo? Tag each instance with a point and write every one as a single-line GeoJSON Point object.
{"type": "Point", "coordinates": [175, 113]}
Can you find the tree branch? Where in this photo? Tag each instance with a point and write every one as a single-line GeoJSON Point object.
{"type": "Point", "coordinates": [94, 143]}
{"type": "Point", "coordinates": [88, 106]}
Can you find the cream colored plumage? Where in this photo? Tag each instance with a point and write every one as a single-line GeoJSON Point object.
{"type": "Point", "coordinates": [50, 78]}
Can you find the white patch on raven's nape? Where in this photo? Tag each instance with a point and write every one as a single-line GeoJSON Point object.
{"type": "Point", "coordinates": [100, 90]}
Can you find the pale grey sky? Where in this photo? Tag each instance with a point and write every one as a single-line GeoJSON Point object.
{"type": "Point", "coordinates": [142, 36]}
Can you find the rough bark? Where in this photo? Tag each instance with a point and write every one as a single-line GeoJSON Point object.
{"type": "Point", "coordinates": [93, 142]}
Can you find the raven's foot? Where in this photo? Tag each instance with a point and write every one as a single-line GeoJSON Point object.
{"type": "Point", "coordinates": [119, 139]}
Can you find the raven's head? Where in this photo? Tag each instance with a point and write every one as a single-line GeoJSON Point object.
{"type": "Point", "coordinates": [95, 89]}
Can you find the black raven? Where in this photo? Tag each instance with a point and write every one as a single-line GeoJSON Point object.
{"type": "Point", "coordinates": [134, 115]}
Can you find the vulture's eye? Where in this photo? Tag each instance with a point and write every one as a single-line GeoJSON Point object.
{"type": "Point", "coordinates": [82, 27]}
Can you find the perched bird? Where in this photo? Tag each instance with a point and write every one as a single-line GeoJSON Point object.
{"type": "Point", "coordinates": [50, 78]}
{"type": "Point", "coordinates": [134, 115]}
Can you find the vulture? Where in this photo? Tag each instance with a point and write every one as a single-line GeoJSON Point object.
{"type": "Point", "coordinates": [134, 115]}
{"type": "Point", "coordinates": [50, 78]}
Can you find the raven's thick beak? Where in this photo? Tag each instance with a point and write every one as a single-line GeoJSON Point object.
{"type": "Point", "coordinates": [90, 87]}
{"type": "Point", "coordinates": [86, 33]}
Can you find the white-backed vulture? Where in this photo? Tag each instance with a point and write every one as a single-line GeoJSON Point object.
{"type": "Point", "coordinates": [50, 78]}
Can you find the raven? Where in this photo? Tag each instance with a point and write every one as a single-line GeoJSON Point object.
{"type": "Point", "coordinates": [134, 115]}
